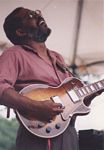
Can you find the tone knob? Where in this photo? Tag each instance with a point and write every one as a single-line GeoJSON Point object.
{"type": "Point", "coordinates": [48, 129]}
{"type": "Point", "coordinates": [58, 126]}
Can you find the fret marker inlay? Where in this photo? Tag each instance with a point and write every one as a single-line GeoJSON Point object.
{"type": "Point", "coordinates": [92, 88]}
{"type": "Point", "coordinates": [99, 85]}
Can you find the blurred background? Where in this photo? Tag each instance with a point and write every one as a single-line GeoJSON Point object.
{"type": "Point", "coordinates": [78, 34]}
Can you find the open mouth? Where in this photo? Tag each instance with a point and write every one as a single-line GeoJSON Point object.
{"type": "Point", "coordinates": [42, 22]}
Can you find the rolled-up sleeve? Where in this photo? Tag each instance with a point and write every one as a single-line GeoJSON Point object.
{"type": "Point", "coordinates": [8, 71]}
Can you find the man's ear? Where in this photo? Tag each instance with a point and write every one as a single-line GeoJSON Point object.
{"type": "Point", "coordinates": [20, 32]}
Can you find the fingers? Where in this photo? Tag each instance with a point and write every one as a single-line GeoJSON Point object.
{"type": "Point", "coordinates": [58, 108]}
{"type": "Point", "coordinates": [59, 105]}
{"type": "Point", "coordinates": [51, 109]}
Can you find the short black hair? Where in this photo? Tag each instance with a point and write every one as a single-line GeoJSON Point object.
{"type": "Point", "coordinates": [11, 23]}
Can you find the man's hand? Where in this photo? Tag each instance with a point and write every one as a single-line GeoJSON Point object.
{"type": "Point", "coordinates": [31, 109]}
{"type": "Point", "coordinates": [43, 110]}
{"type": "Point", "coordinates": [47, 110]}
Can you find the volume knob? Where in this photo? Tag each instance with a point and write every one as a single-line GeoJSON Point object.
{"type": "Point", "coordinates": [58, 126]}
{"type": "Point", "coordinates": [48, 129]}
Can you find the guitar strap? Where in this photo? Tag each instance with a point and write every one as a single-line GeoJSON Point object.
{"type": "Point", "coordinates": [63, 68]}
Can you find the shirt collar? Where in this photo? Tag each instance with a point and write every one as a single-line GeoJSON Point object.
{"type": "Point", "coordinates": [28, 48]}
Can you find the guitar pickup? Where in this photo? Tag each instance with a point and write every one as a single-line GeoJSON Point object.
{"type": "Point", "coordinates": [57, 99]}
{"type": "Point", "coordinates": [73, 96]}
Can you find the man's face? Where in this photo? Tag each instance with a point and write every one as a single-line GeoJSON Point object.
{"type": "Point", "coordinates": [34, 25]}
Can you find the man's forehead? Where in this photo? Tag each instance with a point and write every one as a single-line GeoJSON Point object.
{"type": "Point", "coordinates": [23, 12]}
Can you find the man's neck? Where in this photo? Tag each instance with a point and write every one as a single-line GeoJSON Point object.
{"type": "Point", "coordinates": [40, 48]}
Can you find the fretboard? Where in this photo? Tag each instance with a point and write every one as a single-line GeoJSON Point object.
{"type": "Point", "coordinates": [87, 90]}
{"type": "Point", "coordinates": [90, 89]}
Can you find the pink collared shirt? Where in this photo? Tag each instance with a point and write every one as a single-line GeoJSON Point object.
{"type": "Point", "coordinates": [20, 66]}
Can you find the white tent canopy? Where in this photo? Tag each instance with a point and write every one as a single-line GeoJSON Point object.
{"type": "Point", "coordinates": [61, 16]}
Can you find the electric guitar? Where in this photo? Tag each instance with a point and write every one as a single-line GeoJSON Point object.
{"type": "Point", "coordinates": [70, 93]}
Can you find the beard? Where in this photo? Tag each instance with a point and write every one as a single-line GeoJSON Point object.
{"type": "Point", "coordinates": [39, 34]}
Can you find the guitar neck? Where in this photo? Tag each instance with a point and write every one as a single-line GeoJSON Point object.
{"type": "Point", "coordinates": [90, 89]}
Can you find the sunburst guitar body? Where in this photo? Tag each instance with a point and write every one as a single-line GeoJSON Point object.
{"type": "Point", "coordinates": [70, 93]}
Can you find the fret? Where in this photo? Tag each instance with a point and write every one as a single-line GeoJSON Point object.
{"type": "Point", "coordinates": [80, 92]}
{"type": "Point", "coordinates": [99, 84]}
{"type": "Point", "coordinates": [84, 90]}
{"type": "Point", "coordinates": [96, 86]}
{"type": "Point", "coordinates": [102, 84]}
{"type": "Point", "coordinates": [88, 89]}
{"type": "Point", "coordinates": [92, 87]}
{"type": "Point", "coordinates": [102, 81]}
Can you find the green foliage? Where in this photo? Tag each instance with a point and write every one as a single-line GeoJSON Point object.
{"type": "Point", "coordinates": [8, 131]}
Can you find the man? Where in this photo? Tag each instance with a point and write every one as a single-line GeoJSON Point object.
{"type": "Point", "coordinates": [29, 61]}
